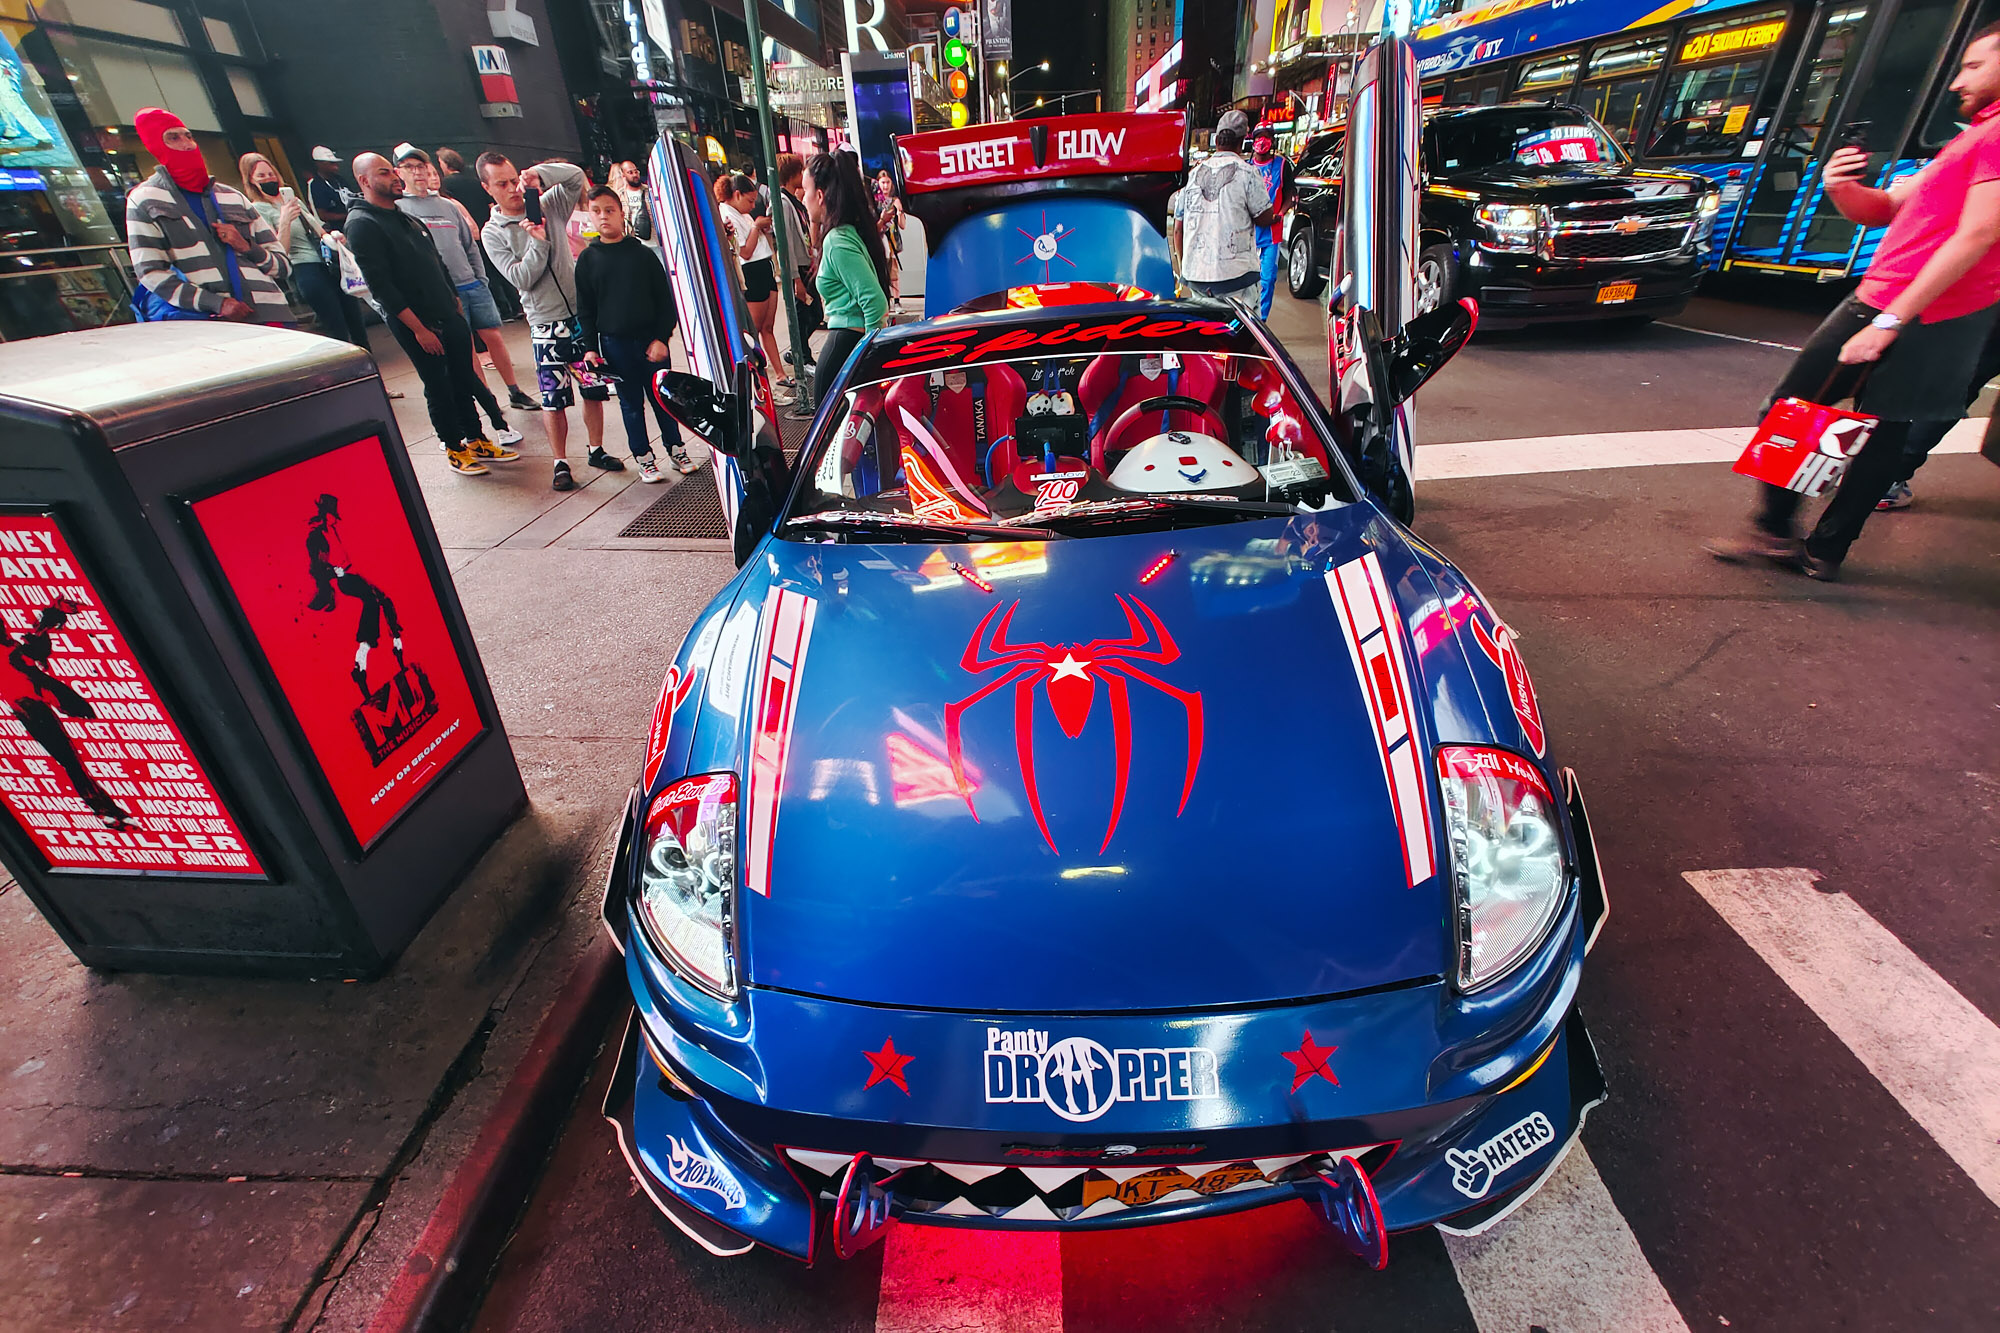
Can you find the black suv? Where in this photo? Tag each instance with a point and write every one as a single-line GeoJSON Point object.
{"type": "Point", "coordinates": [1532, 209]}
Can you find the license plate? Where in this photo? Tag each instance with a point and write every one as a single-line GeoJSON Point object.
{"type": "Point", "coordinates": [1613, 292]}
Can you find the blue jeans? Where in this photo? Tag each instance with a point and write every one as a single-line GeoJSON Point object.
{"type": "Point", "coordinates": [1267, 278]}
{"type": "Point", "coordinates": [633, 374]}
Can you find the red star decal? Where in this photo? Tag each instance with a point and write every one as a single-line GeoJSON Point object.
{"type": "Point", "coordinates": [1308, 1060]}
{"type": "Point", "coordinates": [886, 1064]}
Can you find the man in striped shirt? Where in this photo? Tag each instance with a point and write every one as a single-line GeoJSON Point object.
{"type": "Point", "coordinates": [182, 227]}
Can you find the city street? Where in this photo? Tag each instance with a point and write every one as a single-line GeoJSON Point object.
{"type": "Point", "coordinates": [1794, 787]}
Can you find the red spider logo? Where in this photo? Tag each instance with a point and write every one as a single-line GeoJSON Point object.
{"type": "Point", "coordinates": [1070, 673]}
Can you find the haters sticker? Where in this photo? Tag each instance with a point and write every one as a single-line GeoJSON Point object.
{"type": "Point", "coordinates": [92, 767]}
{"type": "Point", "coordinates": [321, 558]}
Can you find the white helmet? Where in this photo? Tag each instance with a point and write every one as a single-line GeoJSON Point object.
{"type": "Point", "coordinates": [1180, 460]}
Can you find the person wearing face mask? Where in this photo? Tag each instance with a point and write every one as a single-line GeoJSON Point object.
{"type": "Point", "coordinates": [298, 233]}
{"type": "Point", "coordinates": [1277, 174]}
{"type": "Point", "coordinates": [198, 249]}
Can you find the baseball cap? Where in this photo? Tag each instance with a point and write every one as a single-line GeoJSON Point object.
{"type": "Point", "coordinates": [324, 154]}
{"type": "Point", "coordinates": [1233, 122]}
{"type": "Point", "coordinates": [404, 152]}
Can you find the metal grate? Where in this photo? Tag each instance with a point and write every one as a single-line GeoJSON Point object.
{"type": "Point", "coordinates": [689, 510]}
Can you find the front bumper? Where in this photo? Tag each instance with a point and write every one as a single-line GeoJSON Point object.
{"type": "Point", "coordinates": [742, 1134]}
{"type": "Point", "coordinates": [1515, 290]}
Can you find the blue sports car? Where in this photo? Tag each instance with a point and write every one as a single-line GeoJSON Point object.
{"type": "Point", "coordinates": [1087, 806]}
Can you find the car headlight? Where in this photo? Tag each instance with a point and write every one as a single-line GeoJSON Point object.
{"type": "Point", "coordinates": [1509, 226]}
{"type": "Point", "coordinates": [1705, 209]}
{"type": "Point", "coordinates": [1507, 869]}
{"type": "Point", "coordinates": [686, 897]}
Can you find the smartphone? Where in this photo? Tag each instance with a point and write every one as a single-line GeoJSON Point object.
{"type": "Point", "coordinates": [534, 201]}
{"type": "Point", "coordinates": [1854, 134]}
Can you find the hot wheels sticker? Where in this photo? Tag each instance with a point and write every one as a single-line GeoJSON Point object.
{"type": "Point", "coordinates": [693, 1170]}
{"type": "Point", "coordinates": [1499, 646]}
{"type": "Point", "coordinates": [674, 691]}
{"type": "Point", "coordinates": [1080, 1079]}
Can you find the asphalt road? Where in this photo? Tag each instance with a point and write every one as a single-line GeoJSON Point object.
{"type": "Point", "coordinates": [1804, 1067]}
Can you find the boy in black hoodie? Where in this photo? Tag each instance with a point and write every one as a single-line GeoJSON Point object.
{"type": "Point", "coordinates": [626, 307]}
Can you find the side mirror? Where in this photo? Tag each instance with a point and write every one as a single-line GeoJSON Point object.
{"type": "Point", "coordinates": [700, 406]}
{"type": "Point", "coordinates": [1420, 349]}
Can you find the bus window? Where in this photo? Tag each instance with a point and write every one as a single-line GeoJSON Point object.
{"type": "Point", "coordinates": [1832, 53]}
{"type": "Point", "coordinates": [1712, 91]}
{"type": "Point", "coordinates": [1481, 89]}
{"type": "Point", "coordinates": [1618, 84]}
{"type": "Point", "coordinates": [1550, 78]}
{"type": "Point", "coordinates": [1946, 118]}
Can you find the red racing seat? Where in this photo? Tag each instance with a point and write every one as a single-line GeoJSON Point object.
{"type": "Point", "coordinates": [974, 425]}
{"type": "Point", "coordinates": [1113, 383]}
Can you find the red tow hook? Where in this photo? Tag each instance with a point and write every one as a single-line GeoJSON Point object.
{"type": "Point", "coordinates": [1345, 1200]}
{"type": "Point", "coordinates": [863, 1210]}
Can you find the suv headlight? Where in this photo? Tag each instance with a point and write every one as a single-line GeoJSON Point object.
{"type": "Point", "coordinates": [1509, 226]}
{"type": "Point", "coordinates": [1705, 209]}
{"type": "Point", "coordinates": [686, 898]}
{"type": "Point", "coordinates": [1507, 869]}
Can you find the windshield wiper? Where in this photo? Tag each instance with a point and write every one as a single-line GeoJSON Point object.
{"type": "Point", "coordinates": [1095, 510]}
{"type": "Point", "coordinates": [845, 520]}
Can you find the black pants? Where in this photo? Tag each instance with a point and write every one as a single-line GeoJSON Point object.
{"type": "Point", "coordinates": [339, 314]}
{"type": "Point", "coordinates": [449, 385]}
{"type": "Point", "coordinates": [1927, 435]}
{"type": "Point", "coordinates": [833, 354]}
{"type": "Point", "coordinates": [633, 374]}
{"type": "Point", "coordinates": [1817, 376]}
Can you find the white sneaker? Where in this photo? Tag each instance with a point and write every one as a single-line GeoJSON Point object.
{"type": "Point", "coordinates": [780, 395]}
{"type": "Point", "coordinates": [681, 460]}
{"type": "Point", "coordinates": [649, 471]}
{"type": "Point", "coordinates": [506, 435]}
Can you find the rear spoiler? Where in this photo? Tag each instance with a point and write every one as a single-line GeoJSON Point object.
{"type": "Point", "coordinates": [1001, 203]}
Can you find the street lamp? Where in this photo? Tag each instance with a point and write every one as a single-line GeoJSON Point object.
{"type": "Point", "coordinates": [1043, 67]}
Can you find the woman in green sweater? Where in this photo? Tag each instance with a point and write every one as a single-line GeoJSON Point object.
{"type": "Point", "coordinates": [853, 270]}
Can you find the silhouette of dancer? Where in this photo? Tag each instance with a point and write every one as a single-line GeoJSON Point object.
{"type": "Point", "coordinates": [26, 680]}
{"type": "Point", "coordinates": [333, 570]}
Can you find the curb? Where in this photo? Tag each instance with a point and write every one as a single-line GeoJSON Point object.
{"type": "Point", "coordinates": [441, 1280]}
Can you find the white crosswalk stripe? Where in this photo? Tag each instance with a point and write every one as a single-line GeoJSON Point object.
{"type": "Point", "coordinates": [1565, 1261]}
{"type": "Point", "coordinates": [1923, 1041]}
{"type": "Point", "coordinates": [970, 1281]}
{"type": "Point", "coordinates": [1637, 448]}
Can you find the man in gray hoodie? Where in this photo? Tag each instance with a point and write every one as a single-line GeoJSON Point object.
{"type": "Point", "coordinates": [542, 269]}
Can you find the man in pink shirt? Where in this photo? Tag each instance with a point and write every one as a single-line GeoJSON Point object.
{"type": "Point", "coordinates": [1905, 344]}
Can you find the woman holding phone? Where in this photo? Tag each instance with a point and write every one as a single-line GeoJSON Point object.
{"type": "Point", "coordinates": [339, 315]}
{"type": "Point", "coordinates": [751, 236]}
{"type": "Point", "coordinates": [853, 276]}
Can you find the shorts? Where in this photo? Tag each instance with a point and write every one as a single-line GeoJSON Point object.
{"type": "Point", "coordinates": [759, 284]}
{"type": "Point", "coordinates": [480, 310]}
{"type": "Point", "coordinates": [559, 364]}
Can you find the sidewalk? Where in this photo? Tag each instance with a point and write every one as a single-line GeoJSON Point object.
{"type": "Point", "coordinates": [217, 1154]}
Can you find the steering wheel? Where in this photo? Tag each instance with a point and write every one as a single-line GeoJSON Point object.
{"type": "Point", "coordinates": [1166, 402]}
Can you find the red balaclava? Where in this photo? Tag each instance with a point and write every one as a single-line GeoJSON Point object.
{"type": "Point", "coordinates": [186, 165]}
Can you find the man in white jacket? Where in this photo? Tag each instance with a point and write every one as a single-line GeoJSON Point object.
{"type": "Point", "coordinates": [544, 272]}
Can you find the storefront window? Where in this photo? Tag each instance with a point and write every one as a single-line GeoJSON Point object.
{"type": "Point", "coordinates": [130, 18]}
{"type": "Point", "coordinates": [222, 36]}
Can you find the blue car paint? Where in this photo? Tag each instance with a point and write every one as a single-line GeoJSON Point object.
{"type": "Point", "coordinates": [1419, 1064]}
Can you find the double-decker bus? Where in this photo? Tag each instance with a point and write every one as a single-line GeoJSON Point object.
{"type": "Point", "coordinates": [1753, 94]}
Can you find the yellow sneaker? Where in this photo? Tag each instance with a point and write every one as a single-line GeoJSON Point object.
{"type": "Point", "coordinates": [491, 452]}
{"type": "Point", "coordinates": [464, 463]}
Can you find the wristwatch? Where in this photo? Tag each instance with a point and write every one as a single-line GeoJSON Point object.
{"type": "Point", "coordinates": [1885, 320]}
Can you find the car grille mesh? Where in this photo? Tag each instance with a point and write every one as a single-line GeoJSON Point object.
{"type": "Point", "coordinates": [1652, 241]}
{"type": "Point", "coordinates": [1611, 210]}
{"type": "Point", "coordinates": [1068, 1193]}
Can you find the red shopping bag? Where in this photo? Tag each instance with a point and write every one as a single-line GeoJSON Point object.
{"type": "Point", "coordinates": [1804, 447]}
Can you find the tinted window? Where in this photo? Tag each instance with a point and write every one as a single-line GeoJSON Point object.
{"type": "Point", "coordinates": [1549, 77]}
{"type": "Point", "coordinates": [1711, 93]}
{"type": "Point", "coordinates": [1521, 137]}
{"type": "Point", "coordinates": [1620, 91]}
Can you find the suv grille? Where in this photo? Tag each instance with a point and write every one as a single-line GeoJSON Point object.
{"type": "Point", "coordinates": [1611, 210]}
{"type": "Point", "coordinates": [1650, 243]}
{"type": "Point", "coordinates": [1620, 229]}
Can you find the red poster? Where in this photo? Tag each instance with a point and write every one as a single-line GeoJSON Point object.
{"type": "Point", "coordinates": [323, 563]}
{"type": "Point", "coordinates": [91, 765]}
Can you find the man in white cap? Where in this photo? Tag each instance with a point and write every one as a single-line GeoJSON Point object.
{"type": "Point", "coordinates": [1222, 205]}
{"type": "Point", "coordinates": [328, 192]}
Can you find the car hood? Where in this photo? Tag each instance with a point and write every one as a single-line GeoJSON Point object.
{"type": "Point", "coordinates": [1256, 856]}
{"type": "Point", "coordinates": [1574, 183]}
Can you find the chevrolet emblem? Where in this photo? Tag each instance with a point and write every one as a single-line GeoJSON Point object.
{"type": "Point", "coordinates": [1626, 226]}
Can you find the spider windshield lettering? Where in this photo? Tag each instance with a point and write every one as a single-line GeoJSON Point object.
{"type": "Point", "coordinates": [1110, 439]}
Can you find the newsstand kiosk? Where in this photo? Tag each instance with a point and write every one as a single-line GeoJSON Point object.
{"type": "Point", "coordinates": [243, 725]}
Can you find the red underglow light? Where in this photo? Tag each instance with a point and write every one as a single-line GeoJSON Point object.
{"type": "Point", "coordinates": [965, 572]}
{"type": "Point", "coordinates": [1157, 568]}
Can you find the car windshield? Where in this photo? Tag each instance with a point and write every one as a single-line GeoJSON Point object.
{"type": "Point", "coordinates": [1080, 445]}
{"type": "Point", "coordinates": [1530, 137]}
